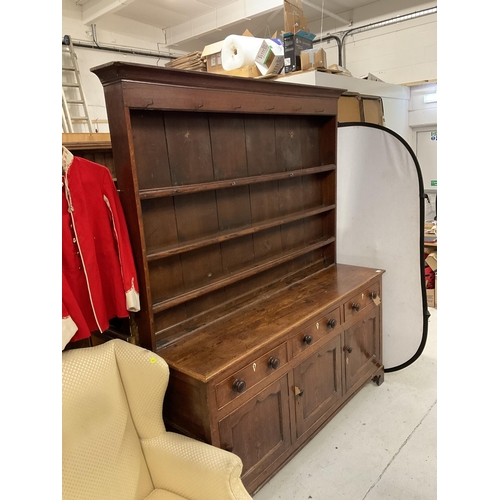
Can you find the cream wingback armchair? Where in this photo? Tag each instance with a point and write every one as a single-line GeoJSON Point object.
{"type": "Point", "coordinates": [114, 443]}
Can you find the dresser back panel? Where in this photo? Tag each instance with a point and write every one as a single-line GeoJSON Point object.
{"type": "Point", "coordinates": [229, 183]}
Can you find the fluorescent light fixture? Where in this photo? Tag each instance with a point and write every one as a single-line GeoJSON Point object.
{"type": "Point", "coordinates": [431, 97]}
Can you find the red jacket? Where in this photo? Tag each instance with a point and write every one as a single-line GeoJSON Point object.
{"type": "Point", "coordinates": [99, 276]}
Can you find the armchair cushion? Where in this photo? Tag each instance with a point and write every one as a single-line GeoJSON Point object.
{"type": "Point", "coordinates": [114, 441]}
{"type": "Point", "coordinates": [196, 470]}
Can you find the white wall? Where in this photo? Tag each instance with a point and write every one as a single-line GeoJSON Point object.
{"type": "Point", "coordinates": [422, 118]}
{"type": "Point", "coordinates": [126, 34]}
{"type": "Point", "coordinates": [92, 88]}
{"type": "Point", "coordinates": [400, 53]}
{"type": "Point", "coordinates": [111, 30]}
{"type": "Point", "coordinates": [420, 112]}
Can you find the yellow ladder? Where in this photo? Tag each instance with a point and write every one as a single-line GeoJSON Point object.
{"type": "Point", "coordinates": [74, 105]}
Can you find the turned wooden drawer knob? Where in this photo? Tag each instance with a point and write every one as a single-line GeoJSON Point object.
{"type": "Point", "coordinates": [332, 322]}
{"type": "Point", "coordinates": [355, 306]}
{"type": "Point", "coordinates": [348, 349]}
{"type": "Point", "coordinates": [373, 295]}
{"type": "Point", "coordinates": [307, 339]}
{"type": "Point", "coordinates": [273, 363]}
{"type": "Point", "coordinates": [239, 385]}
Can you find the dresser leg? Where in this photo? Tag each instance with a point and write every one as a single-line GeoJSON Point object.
{"type": "Point", "coordinates": [379, 379]}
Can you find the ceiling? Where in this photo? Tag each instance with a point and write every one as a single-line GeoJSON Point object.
{"type": "Point", "coordinates": [191, 24]}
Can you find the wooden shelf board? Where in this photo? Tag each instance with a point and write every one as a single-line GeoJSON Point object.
{"type": "Point", "coordinates": [236, 233]}
{"type": "Point", "coordinates": [231, 278]}
{"type": "Point", "coordinates": [86, 141]}
{"type": "Point", "coordinates": [145, 194]}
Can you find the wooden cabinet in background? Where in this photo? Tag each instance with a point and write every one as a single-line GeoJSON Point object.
{"type": "Point", "coordinates": [229, 190]}
{"type": "Point", "coordinates": [94, 147]}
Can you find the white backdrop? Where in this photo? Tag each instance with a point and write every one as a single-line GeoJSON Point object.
{"type": "Point", "coordinates": [380, 224]}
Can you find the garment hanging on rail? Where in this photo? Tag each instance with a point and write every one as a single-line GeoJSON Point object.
{"type": "Point", "coordinates": [99, 280]}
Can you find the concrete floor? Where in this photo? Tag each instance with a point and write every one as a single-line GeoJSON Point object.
{"type": "Point", "coordinates": [380, 446]}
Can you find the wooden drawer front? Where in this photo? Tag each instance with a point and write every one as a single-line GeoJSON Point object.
{"type": "Point", "coordinates": [316, 331]}
{"type": "Point", "coordinates": [250, 375]}
{"type": "Point", "coordinates": [360, 302]}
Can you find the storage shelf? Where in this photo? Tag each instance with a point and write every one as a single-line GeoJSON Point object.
{"type": "Point", "coordinates": [235, 233]}
{"type": "Point", "coordinates": [87, 142]}
{"type": "Point", "coordinates": [231, 278]}
{"type": "Point", "coordinates": [171, 334]}
{"type": "Point", "coordinates": [145, 194]}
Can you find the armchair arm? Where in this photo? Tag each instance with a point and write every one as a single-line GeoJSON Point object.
{"type": "Point", "coordinates": [192, 469]}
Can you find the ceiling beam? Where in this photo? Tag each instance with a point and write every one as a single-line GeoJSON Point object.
{"type": "Point", "coordinates": [327, 12]}
{"type": "Point", "coordinates": [219, 18]}
{"type": "Point", "coordinates": [95, 9]}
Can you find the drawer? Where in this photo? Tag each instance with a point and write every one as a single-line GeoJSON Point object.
{"type": "Point", "coordinates": [255, 372]}
{"type": "Point", "coordinates": [316, 331]}
{"type": "Point", "coordinates": [362, 301]}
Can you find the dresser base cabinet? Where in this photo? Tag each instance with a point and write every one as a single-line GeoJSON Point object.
{"type": "Point", "coordinates": [229, 189]}
{"type": "Point", "coordinates": [267, 396]}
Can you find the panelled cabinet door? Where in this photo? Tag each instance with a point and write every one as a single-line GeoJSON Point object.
{"type": "Point", "coordinates": [317, 384]}
{"type": "Point", "coordinates": [259, 431]}
{"type": "Point", "coordinates": [362, 347]}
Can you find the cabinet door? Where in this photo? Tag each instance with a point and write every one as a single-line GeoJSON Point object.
{"type": "Point", "coordinates": [259, 431]}
{"type": "Point", "coordinates": [317, 384]}
{"type": "Point", "coordinates": [362, 348]}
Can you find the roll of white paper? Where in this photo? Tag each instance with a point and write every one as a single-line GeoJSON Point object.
{"type": "Point", "coordinates": [239, 51]}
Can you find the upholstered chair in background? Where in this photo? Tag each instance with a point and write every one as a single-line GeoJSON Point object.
{"type": "Point", "coordinates": [114, 442]}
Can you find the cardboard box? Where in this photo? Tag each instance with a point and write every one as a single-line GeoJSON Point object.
{"type": "Point", "coordinates": [431, 260]}
{"type": "Point", "coordinates": [432, 294]}
{"type": "Point", "coordinates": [349, 108]}
{"type": "Point", "coordinates": [372, 78]}
{"type": "Point", "coordinates": [373, 110]}
{"type": "Point", "coordinates": [338, 70]}
{"type": "Point", "coordinates": [245, 72]}
{"type": "Point", "coordinates": [354, 107]}
{"type": "Point", "coordinates": [212, 54]}
{"type": "Point", "coordinates": [294, 19]}
{"type": "Point", "coordinates": [313, 58]}
{"type": "Point", "coordinates": [269, 59]}
{"type": "Point", "coordinates": [294, 44]}
{"type": "Point", "coordinates": [430, 227]}
{"type": "Point", "coordinates": [431, 297]}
